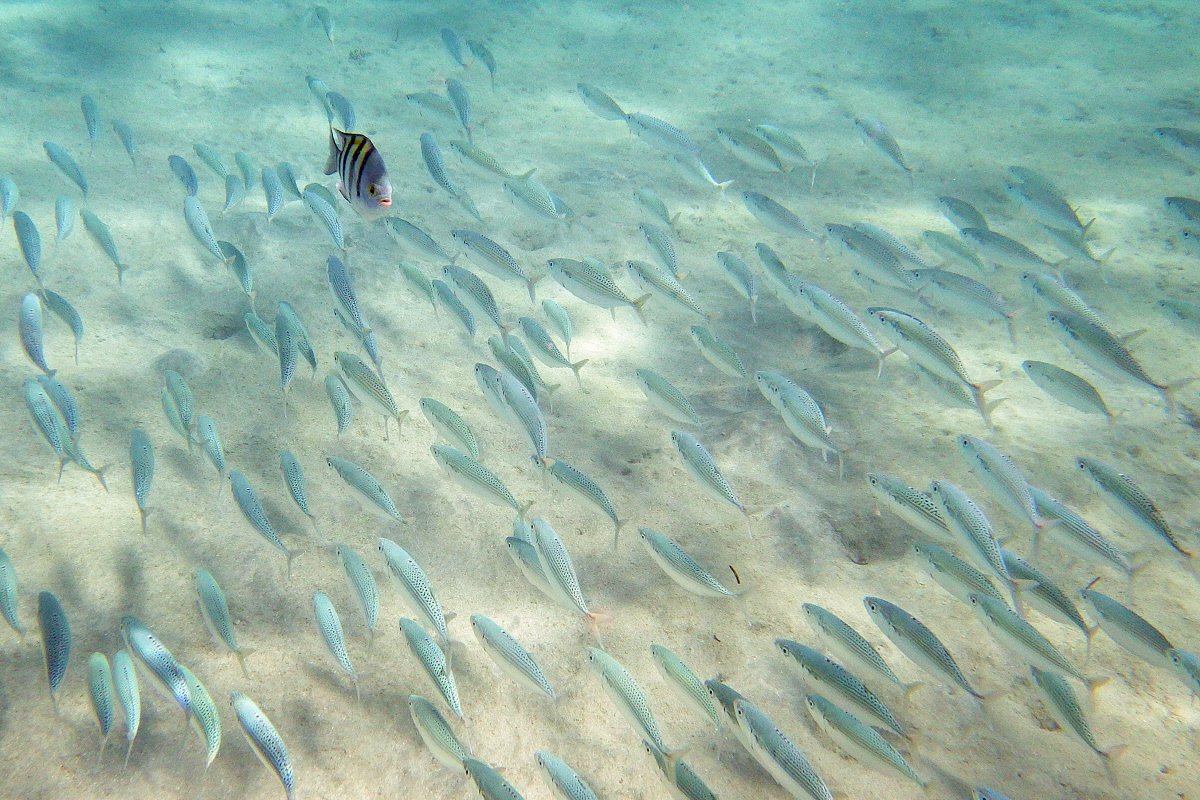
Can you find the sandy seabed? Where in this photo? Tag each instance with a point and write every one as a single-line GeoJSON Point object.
{"type": "Point", "coordinates": [1071, 89]}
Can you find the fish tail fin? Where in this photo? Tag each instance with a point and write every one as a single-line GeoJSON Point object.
{"type": "Point", "coordinates": [523, 511]}
{"type": "Point", "coordinates": [331, 162]}
{"type": "Point", "coordinates": [400, 417]}
{"type": "Point", "coordinates": [723, 185]}
{"type": "Point", "coordinates": [1108, 756]}
{"type": "Point", "coordinates": [1094, 684]}
{"type": "Point", "coordinates": [578, 365]}
{"type": "Point", "coordinates": [241, 657]}
{"type": "Point", "coordinates": [882, 355]}
{"type": "Point", "coordinates": [977, 392]}
{"type": "Point", "coordinates": [639, 306]}
{"type": "Point", "coordinates": [291, 554]}
{"type": "Point", "coordinates": [1169, 389]}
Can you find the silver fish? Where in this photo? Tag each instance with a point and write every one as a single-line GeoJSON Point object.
{"type": "Point", "coordinates": [330, 626]}
{"type": "Point", "coordinates": [701, 465]}
{"type": "Point", "coordinates": [264, 740]}
{"type": "Point", "coordinates": [326, 214]}
{"type": "Point", "coordinates": [661, 135]}
{"type": "Point", "coordinates": [185, 173]}
{"type": "Point", "coordinates": [599, 102]}
{"type": "Point", "coordinates": [128, 141]}
{"type": "Point", "coordinates": [29, 324]}
{"type": "Point", "coordinates": [252, 509]}
{"type": "Point", "coordinates": [877, 133]}
{"type": "Point", "coordinates": [56, 642]}
{"type": "Point", "coordinates": [434, 661]}
{"type": "Point", "coordinates": [214, 608]}
{"type": "Point", "coordinates": [414, 586]}
{"type": "Point", "coordinates": [508, 654]}
{"type": "Point", "coordinates": [590, 282]}
{"type": "Point", "coordinates": [30, 242]}
{"type": "Point", "coordinates": [775, 216]}
{"type": "Point", "coordinates": [102, 235]}
{"type": "Point", "coordinates": [367, 486]}
{"type": "Point", "coordinates": [141, 455]}
{"type": "Point", "coordinates": [67, 165]}
{"type": "Point", "coordinates": [197, 220]}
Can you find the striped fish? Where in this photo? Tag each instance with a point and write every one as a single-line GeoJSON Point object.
{"type": "Point", "coordinates": [362, 175]}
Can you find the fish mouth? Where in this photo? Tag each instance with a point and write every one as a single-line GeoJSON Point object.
{"type": "Point", "coordinates": [385, 201]}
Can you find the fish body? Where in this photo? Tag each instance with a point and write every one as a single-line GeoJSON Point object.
{"type": "Point", "coordinates": [878, 134]}
{"type": "Point", "coordinates": [197, 221]}
{"type": "Point", "coordinates": [368, 387]}
{"type": "Point", "coordinates": [1065, 709]}
{"type": "Point", "coordinates": [701, 465]}
{"type": "Point", "coordinates": [1181, 142]}
{"type": "Point", "coordinates": [1099, 349]}
{"type": "Point", "coordinates": [751, 149]}
{"type": "Point", "coordinates": [1129, 629]}
{"type": "Point", "coordinates": [777, 755]}
{"type": "Point", "coordinates": [1066, 387]}
{"type": "Point", "coordinates": [102, 694]}
{"type": "Point", "coordinates": [584, 488]}
{"type": "Point", "coordinates": [1077, 534]}
{"type": "Point", "coordinates": [801, 413]}
{"type": "Point", "coordinates": [330, 626]}
{"type": "Point", "coordinates": [434, 661]}
{"type": "Point", "coordinates": [29, 325]}
{"type": "Point", "coordinates": [717, 352]}
{"type": "Point", "coordinates": [367, 485]}
{"type": "Point", "coordinates": [362, 176]}
{"type": "Point", "coordinates": [29, 241]}
{"type": "Point", "coordinates": [470, 289]}
{"type": "Point", "coordinates": [210, 441]}
{"type": "Point", "coordinates": [823, 674]}
{"type": "Point", "coordinates": [776, 216]}
{"type": "Point", "coordinates": [913, 506]}
{"type": "Point", "coordinates": [917, 642]}
{"type": "Point", "coordinates": [557, 568]}
{"type": "Point", "coordinates": [64, 216]}
{"type": "Point", "coordinates": [1128, 500]}
{"type": "Point", "coordinates": [125, 685]}
{"type": "Point", "coordinates": [474, 477]}
{"type": "Point", "coordinates": [545, 349]}
{"type": "Point", "coordinates": [564, 782]}
{"type": "Point", "coordinates": [67, 165]}
{"type": "Point", "coordinates": [128, 140]}
{"type": "Point", "coordinates": [831, 314]}
{"type": "Point", "coordinates": [1043, 594]}
{"type": "Point", "coordinates": [681, 567]}
{"type": "Point", "coordinates": [590, 282]}
{"type": "Point", "coordinates": [345, 299]}
{"type": "Point", "coordinates": [205, 719]}
{"type": "Point", "coordinates": [972, 527]}
{"type": "Point", "coordinates": [264, 740]}
{"type": "Point", "coordinates": [447, 298]}
{"type": "Point", "coordinates": [185, 173]}
{"type": "Point", "coordinates": [665, 398]}
{"type": "Point", "coordinates": [954, 575]}
{"type": "Point", "coordinates": [628, 696]}
{"type": "Point", "coordinates": [414, 586]}
{"type": "Point", "coordinates": [252, 509]}
{"type": "Point", "coordinates": [141, 457]}
{"type": "Point", "coordinates": [490, 783]}
{"type": "Point", "coordinates": [850, 645]}
{"type": "Point", "coordinates": [214, 608]}
{"type": "Point", "coordinates": [56, 641]}
{"type": "Point", "coordinates": [785, 145]}
{"type": "Point", "coordinates": [1001, 476]}
{"type": "Point", "coordinates": [508, 654]}
{"type": "Point", "coordinates": [680, 676]}
{"type": "Point", "coordinates": [405, 233]}
{"type": "Point", "coordinates": [1003, 250]}
{"type": "Point", "coordinates": [9, 195]}
{"type": "Point", "coordinates": [293, 477]}
{"type": "Point", "coordinates": [493, 258]}
{"type": "Point", "coordinates": [1021, 638]}
{"type": "Point", "coordinates": [456, 47]}
{"type": "Point", "coordinates": [952, 249]}
{"type": "Point", "coordinates": [212, 159]}
{"type": "Point", "coordinates": [661, 135]}
{"type": "Point", "coordinates": [273, 191]}
{"type": "Point", "coordinates": [859, 740]}
{"type": "Point", "coordinates": [9, 603]}
{"type": "Point", "coordinates": [741, 278]}
{"type": "Point", "coordinates": [157, 662]}
{"type": "Point", "coordinates": [102, 235]}
{"type": "Point", "coordinates": [879, 260]}
{"type": "Point", "coordinates": [599, 103]}
{"type": "Point", "coordinates": [481, 51]}
{"type": "Point", "coordinates": [451, 426]}
{"type": "Point", "coordinates": [655, 279]}
{"type": "Point", "coordinates": [436, 733]}
{"type": "Point", "coordinates": [362, 584]}
{"type": "Point", "coordinates": [326, 214]}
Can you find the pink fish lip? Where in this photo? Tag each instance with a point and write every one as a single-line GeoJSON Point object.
{"type": "Point", "coordinates": [385, 201]}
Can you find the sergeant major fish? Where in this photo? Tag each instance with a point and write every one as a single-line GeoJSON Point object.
{"type": "Point", "coordinates": [362, 175]}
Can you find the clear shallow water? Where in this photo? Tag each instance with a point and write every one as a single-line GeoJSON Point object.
{"type": "Point", "coordinates": [1072, 90]}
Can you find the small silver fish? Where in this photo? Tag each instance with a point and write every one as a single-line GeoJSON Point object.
{"type": "Point", "coordinates": [264, 740]}
{"type": "Point", "coordinates": [876, 133]}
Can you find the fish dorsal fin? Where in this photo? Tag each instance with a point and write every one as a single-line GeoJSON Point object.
{"type": "Point", "coordinates": [337, 141]}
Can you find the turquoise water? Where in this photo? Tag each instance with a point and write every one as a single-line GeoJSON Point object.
{"type": "Point", "coordinates": [1072, 90]}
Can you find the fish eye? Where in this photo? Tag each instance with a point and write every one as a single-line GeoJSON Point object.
{"type": "Point", "coordinates": [371, 190]}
